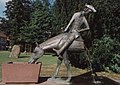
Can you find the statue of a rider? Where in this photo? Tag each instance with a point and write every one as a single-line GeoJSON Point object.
{"type": "Point", "coordinates": [74, 27]}
{"type": "Point", "coordinates": [70, 39]}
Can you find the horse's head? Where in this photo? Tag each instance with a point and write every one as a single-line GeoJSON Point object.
{"type": "Point", "coordinates": [38, 52]}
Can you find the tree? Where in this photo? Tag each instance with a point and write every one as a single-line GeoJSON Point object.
{"type": "Point", "coordinates": [64, 9]}
{"type": "Point", "coordinates": [18, 12]}
{"type": "Point", "coordinates": [105, 54]}
{"type": "Point", "coordinates": [4, 25]}
{"type": "Point", "coordinates": [106, 20]}
{"type": "Point", "coordinates": [40, 26]}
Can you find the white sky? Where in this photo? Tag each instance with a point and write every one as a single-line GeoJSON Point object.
{"type": "Point", "coordinates": [2, 7]}
{"type": "Point", "coordinates": [4, 1]}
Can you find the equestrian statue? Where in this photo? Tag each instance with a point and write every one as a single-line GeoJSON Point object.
{"type": "Point", "coordinates": [68, 41]}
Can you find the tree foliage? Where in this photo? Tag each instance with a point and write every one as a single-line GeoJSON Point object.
{"type": "Point", "coordinates": [64, 9]}
{"type": "Point", "coordinates": [4, 25]}
{"type": "Point", "coordinates": [105, 54]}
{"type": "Point", "coordinates": [40, 26]}
{"type": "Point", "coordinates": [17, 13]}
{"type": "Point", "coordinates": [107, 18]}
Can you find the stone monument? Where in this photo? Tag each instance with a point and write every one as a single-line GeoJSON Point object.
{"type": "Point", "coordinates": [15, 52]}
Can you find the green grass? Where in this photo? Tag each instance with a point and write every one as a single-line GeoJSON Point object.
{"type": "Point", "coordinates": [48, 64]}
{"type": "Point", "coordinates": [4, 58]}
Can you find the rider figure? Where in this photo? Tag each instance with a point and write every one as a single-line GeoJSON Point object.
{"type": "Point", "coordinates": [74, 27]}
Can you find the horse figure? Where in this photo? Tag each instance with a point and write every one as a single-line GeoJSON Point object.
{"type": "Point", "coordinates": [56, 43]}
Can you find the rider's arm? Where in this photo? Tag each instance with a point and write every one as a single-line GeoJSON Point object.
{"type": "Point", "coordinates": [72, 19]}
{"type": "Point", "coordinates": [86, 24]}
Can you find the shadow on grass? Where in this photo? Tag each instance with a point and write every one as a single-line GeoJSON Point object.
{"type": "Point", "coordinates": [24, 56]}
{"type": "Point", "coordinates": [86, 79]}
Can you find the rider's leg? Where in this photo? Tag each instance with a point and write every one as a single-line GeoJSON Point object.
{"type": "Point", "coordinates": [67, 43]}
{"type": "Point", "coordinates": [59, 61]}
{"type": "Point", "coordinates": [38, 52]}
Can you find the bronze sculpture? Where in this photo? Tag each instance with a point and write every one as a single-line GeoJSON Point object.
{"type": "Point", "coordinates": [70, 40]}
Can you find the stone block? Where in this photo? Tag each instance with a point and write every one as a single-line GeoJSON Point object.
{"type": "Point", "coordinates": [15, 52]}
{"type": "Point", "coordinates": [20, 72]}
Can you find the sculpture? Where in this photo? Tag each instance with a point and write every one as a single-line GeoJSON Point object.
{"type": "Point", "coordinates": [70, 40]}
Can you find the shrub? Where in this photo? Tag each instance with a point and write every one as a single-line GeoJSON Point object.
{"type": "Point", "coordinates": [105, 54]}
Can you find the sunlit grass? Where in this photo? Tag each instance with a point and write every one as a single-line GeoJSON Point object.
{"type": "Point", "coordinates": [48, 65]}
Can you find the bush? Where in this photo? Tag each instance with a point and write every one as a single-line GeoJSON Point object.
{"type": "Point", "coordinates": [105, 54]}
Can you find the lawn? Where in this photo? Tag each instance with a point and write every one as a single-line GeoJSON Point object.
{"type": "Point", "coordinates": [48, 65]}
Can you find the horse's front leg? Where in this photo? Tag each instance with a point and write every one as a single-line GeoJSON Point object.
{"type": "Point", "coordinates": [59, 61]}
{"type": "Point", "coordinates": [67, 64]}
{"type": "Point", "coordinates": [38, 52]}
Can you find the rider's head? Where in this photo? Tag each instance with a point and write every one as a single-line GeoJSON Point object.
{"type": "Point", "coordinates": [89, 8]}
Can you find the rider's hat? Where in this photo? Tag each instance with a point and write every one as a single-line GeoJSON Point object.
{"type": "Point", "coordinates": [90, 7]}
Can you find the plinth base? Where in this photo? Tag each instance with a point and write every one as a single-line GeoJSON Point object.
{"type": "Point", "coordinates": [58, 81]}
{"type": "Point", "coordinates": [20, 72]}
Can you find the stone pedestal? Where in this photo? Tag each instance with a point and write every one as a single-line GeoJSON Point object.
{"type": "Point", "coordinates": [20, 72]}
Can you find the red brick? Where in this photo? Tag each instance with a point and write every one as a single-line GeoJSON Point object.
{"type": "Point", "coordinates": [20, 73]}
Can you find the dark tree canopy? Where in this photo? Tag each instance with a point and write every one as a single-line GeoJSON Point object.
{"type": "Point", "coordinates": [17, 13]}
{"type": "Point", "coordinates": [107, 19]}
{"type": "Point", "coordinates": [40, 26]}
